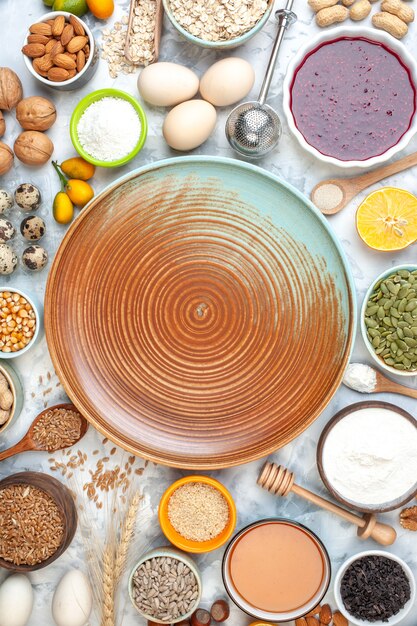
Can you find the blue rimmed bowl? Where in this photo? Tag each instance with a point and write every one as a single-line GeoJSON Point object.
{"type": "Point", "coordinates": [218, 45]}
{"type": "Point", "coordinates": [379, 361]}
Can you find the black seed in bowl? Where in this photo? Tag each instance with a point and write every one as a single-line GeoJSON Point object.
{"type": "Point", "coordinates": [374, 588]}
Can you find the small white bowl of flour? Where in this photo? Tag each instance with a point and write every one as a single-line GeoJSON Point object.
{"type": "Point", "coordinates": [367, 456]}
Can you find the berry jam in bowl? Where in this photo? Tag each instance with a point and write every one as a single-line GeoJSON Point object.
{"type": "Point", "coordinates": [350, 97]}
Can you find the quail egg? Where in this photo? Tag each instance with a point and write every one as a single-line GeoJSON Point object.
{"type": "Point", "coordinates": [27, 197]}
{"type": "Point", "coordinates": [6, 201]}
{"type": "Point", "coordinates": [34, 258]}
{"type": "Point", "coordinates": [33, 228]}
{"type": "Point", "coordinates": [7, 230]}
{"type": "Point", "coordinates": [8, 259]}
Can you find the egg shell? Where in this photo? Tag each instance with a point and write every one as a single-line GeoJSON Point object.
{"type": "Point", "coordinates": [16, 601]}
{"type": "Point", "coordinates": [6, 201]}
{"type": "Point", "coordinates": [8, 259]}
{"type": "Point", "coordinates": [73, 600]}
{"type": "Point", "coordinates": [227, 81]}
{"type": "Point", "coordinates": [167, 84]}
{"type": "Point", "coordinates": [189, 124]}
{"type": "Point", "coordinates": [7, 230]}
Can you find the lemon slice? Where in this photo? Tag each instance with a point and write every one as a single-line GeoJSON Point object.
{"type": "Point", "coordinates": [387, 219]}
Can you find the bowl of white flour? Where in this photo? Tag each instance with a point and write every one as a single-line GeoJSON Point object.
{"type": "Point", "coordinates": [367, 456]}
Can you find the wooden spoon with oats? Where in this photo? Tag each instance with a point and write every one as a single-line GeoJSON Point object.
{"type": "Point", "coordinates": [57, 427]}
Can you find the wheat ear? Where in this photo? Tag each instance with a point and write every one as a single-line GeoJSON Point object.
{"type": "Point", "coordinates": [108, 616]}
{"type": "Point", "coordinates": [128, 531]}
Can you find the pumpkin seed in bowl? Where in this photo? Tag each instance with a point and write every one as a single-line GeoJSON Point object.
{"type": "Point", "coordinates": [389, 320]}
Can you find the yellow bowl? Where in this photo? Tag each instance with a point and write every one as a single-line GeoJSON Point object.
{"type": "Point", "coordinates": [186, 544]}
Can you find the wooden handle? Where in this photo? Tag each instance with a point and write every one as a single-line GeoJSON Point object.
{"type": "Point", "coordinates": [20, 446]}
{"type": "Point", "coordinates": [365, 180]}
{"type": "Point", "coordinates": [382, 533]}
{"type": "Point", "coordinates": [389, 386]}
{"type": "Point", "coordinates": [280, 481]}
{"type": "Point", "coordinates": [368, 524]}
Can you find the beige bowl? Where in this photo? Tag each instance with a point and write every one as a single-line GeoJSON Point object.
{"type": "Point", "coordinates": [15, 385]}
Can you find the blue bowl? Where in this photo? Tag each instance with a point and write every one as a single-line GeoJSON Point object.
{"type": "Point", "coordinates": [218, 45]}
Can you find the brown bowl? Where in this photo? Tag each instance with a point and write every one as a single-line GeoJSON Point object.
{"type": "Point", "coordinates": [65, 503]}
{"type": "Point", "coordinates": [352, 408]}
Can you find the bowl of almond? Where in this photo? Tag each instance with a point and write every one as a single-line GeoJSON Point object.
{"type": "Point", "coordinates": [59, 50]}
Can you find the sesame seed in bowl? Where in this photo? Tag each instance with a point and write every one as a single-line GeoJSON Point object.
{"type": "Point", "coordinates": [197, 514]}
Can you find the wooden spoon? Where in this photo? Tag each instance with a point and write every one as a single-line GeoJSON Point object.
{"type": "Point", "coordinates": [386, 385]}
{"type": "Point", "coordinates": [28, 443]}
{"type": "Point", "coordinates": [159, 18]}
{"type": "Point", "coordinates": [280, 481]}
{"type": "Point", "coordinates": [350, 187]}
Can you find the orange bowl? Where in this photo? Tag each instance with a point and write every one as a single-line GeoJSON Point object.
{"type": "Point", "coordinates": [186, 544]}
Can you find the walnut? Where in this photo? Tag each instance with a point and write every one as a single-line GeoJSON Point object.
{"type": "Point", "coordinates": [35, 113]}
{"type": "Point", "coordinates": [408, 518]}
{"type": "Point", "coordinates": [11, 91]}
{"type": "Point", "coordinates": [2, 125]}
{"type": "Point", "coordinates": [33, 148]}
{"type": "Point", "coordinates": [6, 158]}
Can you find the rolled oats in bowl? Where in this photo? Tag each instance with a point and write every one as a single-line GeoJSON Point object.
{"type": "Point", "coordinates": [217, 20]}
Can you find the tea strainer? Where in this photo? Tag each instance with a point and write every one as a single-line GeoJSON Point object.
{"type": "Point", "coordinates": [253, 128]}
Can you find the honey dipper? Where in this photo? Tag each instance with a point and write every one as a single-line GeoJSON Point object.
{"type": "Point", "coordinates": [280, 481]}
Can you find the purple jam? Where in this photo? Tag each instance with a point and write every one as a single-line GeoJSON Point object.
{"type": "Point", "coordinates": [352, 99]}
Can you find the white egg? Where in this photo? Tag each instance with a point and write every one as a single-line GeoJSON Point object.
{"type": "Point", "coordinates": [16, 601]}
{"type": "Point", "coordinates": [166, 84]}
{"type": "Point", "coordinates": [189, 124]}
{"type": "Point", "coordinates": [227, 81]}
{"type": "Point", "coordinates": [73, 600]}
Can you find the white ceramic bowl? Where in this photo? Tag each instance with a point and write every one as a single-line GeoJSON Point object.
{"type": "Point", "coordinates": [368, 344]}
{"type": "Point", "coordinates": [268, 616]}
{"type": "Point", "coordinates": [395, 618]}
{"type": "Point", "coordinates": [173, 553]}
{"type": "Point", "coordinates": [80, 79]}
{"type": "Point", "coordinates": [39, 320]}
{"type": "Point", "coordinates": [329, 35]}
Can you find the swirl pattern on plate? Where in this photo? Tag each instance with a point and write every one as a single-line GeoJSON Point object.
{"type": "Point", "coordinates": [191, 328]}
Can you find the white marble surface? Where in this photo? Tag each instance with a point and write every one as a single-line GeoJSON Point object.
{"type": "Point", "coordinates": [289, 162]}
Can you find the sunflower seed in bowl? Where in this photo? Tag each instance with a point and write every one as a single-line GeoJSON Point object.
{"type": "Point", "coordinates": [165, 586]}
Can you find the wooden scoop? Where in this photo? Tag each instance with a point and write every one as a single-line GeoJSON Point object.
{"type": "Point", "coordinates": [159, 18]}
{"type": "Point", "coordinates": [350, 187]}
{"type": "Point", "coordinates": [280, 481]}
{"type": "Point", "coordinates": [386, 385]}
{"type": "Point", "coordinates": [28, 443]}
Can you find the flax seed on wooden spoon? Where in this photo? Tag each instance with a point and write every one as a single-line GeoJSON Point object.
{"type": "Point", "coordinates": [332, 195]}
{"type": "Point", "coordinates": [57, 427]}
{"type": "Point", "coordinates": [370, 380]}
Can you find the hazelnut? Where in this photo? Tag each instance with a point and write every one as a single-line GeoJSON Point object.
{"type": "Point", "coordinates": [11, 91]}
{"type": "Point", "coordinates": [33, 148]}
{"type": "Point", "coordinates": [2, 125]}
{"type": "Point", "coordinates": [35, 113]}
{"type": "Point", "coordinates": [6, 158]}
